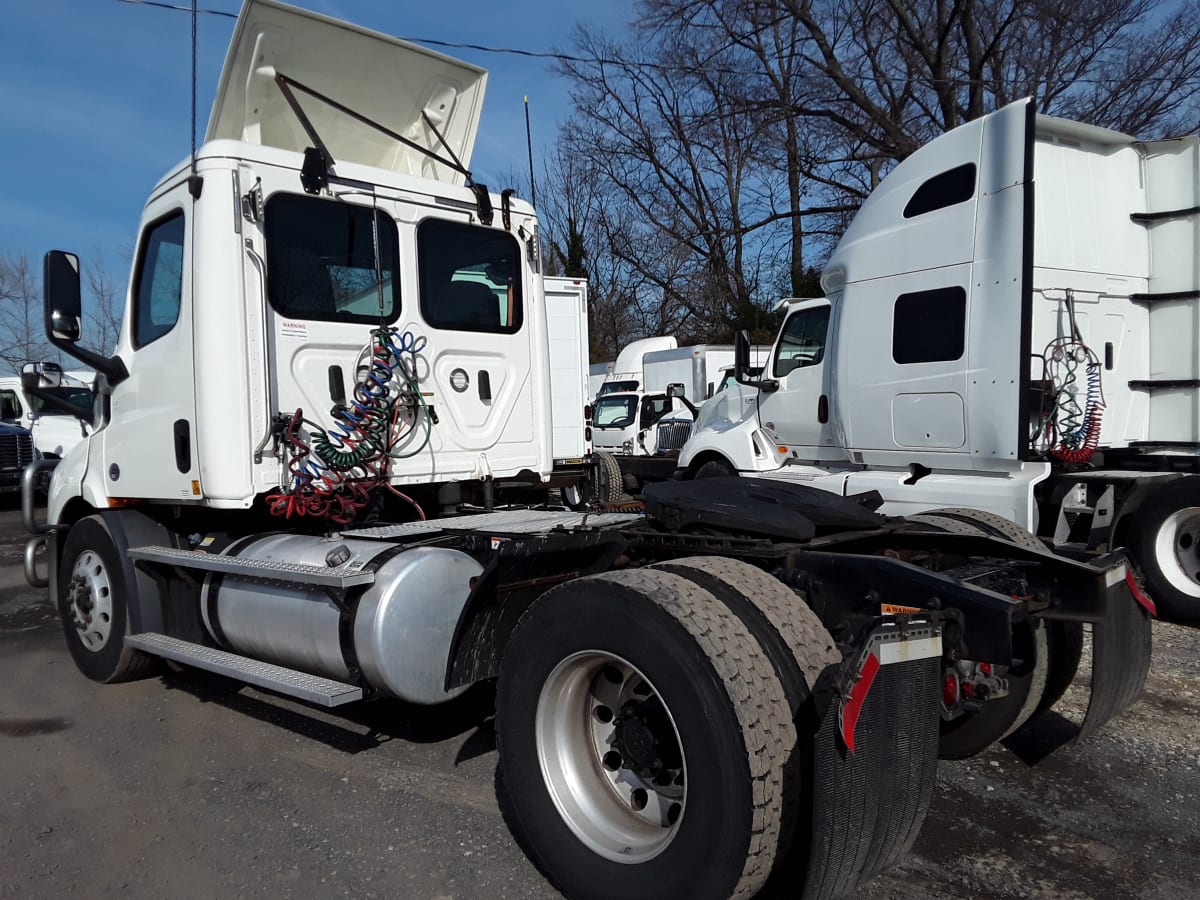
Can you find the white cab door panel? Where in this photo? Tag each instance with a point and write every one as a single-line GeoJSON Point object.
{"type": "Point", "coordinates": [795, 415]}
{"type": "Point", "coordinates": [149, 443]}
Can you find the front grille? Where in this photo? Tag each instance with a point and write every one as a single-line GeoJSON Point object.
{"type": "Point", "coordinates": [16, 450]}
{"type": "Point", "coordinates": [673, 435]}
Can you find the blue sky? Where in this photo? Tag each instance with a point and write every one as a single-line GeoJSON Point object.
{"type": "Point", "coordinates": [96, 102]}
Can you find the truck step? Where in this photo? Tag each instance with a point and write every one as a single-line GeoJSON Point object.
{"type": "Point", "coordinates": [340, 577]}
{"type": "Point", "coordinates": [301, 685]}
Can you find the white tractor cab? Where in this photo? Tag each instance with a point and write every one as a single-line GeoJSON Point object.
{"type": "Point", "coordinates": [52, 415]}
{"type": "Point", "coordinates": [1010, 326]}
{"type": "Point", "coordinates": [358, 316]}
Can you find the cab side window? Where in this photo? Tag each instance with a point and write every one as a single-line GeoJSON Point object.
{"type": "Point", "coordinates": [802, 342]}
{"type": "Point", "coordinates": [158, 282]}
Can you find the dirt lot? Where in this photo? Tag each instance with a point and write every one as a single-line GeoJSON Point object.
{"type": "Point", "coordinates": [189, 786]}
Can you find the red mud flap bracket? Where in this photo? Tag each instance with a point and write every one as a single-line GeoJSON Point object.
{"type": "Point", "coordinates": [875, 759]}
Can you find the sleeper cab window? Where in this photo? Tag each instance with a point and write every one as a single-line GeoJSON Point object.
{"type": "Point", "coordinates": [158, 281]}
{"type": "Point", "coordinates": [321, 260]}
{"type": "Point", "coordinates": [470, 277]}
{"type": "Point", "coordinates": [951, 187]}
{"type": "Point", "coordinates": [929, 326]}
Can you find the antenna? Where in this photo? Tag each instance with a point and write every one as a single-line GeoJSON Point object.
{"type": "Point", "coordinates": [195, 182]}
{"type": "Point", "coordinates": [529, 145]}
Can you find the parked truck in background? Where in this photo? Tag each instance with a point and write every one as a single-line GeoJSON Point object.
{"type": "Point", "coordinates": [1011, 324]}
{"type": "Point", "coordinates": [751, 674]}
{"type": "Point", "coordinates": [53, 423]}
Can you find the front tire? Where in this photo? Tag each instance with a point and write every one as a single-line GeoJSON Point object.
{"type": "Point", "coordinates": [92, 603]}
{"type": "Point", "coordinates": [1164, 538]}
{"type": "Point", "coordinates": [677, 792]}
{"type": "Point", "coordinates": [715, 468]}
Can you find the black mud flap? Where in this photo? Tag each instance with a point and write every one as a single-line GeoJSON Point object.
{"type": "Point", "coordinates": [1120, 654]}
{"type": "Point", "coordinates": [868, 804]}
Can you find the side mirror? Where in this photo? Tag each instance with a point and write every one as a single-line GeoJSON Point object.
{"type": "Point", "coordinates": [41, 374]}
{"type": "Point", "coordinates": [64, 308]}
{"type": "Point", "coordinates": [64, 315]}
{"type": "Point", "coordinates": [741, 356]}
{"type": "Point", "coordinates": [746, 374]}
{"type": "Point", "coordinates": [675, 390]}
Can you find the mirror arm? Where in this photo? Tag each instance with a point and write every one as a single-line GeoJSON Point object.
{"type": "Point", "coordinates": [767, 385]}
{"type": "Point", "coordinates": [112, 367]}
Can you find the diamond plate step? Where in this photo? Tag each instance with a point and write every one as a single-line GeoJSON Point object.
{"type": "Point", "coordinates": [301, 685]}
{"type": "Point", "coordinates": [264, 569]}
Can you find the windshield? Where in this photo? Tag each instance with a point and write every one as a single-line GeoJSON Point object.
{"type": "Point", "coordinates": [79, 397]}
{"type": "Point", "coordinates": [615, 412]}
{"type": "Point", "coordinates": [729, 380]}
{"type": "Point", "coordinates": [617, 387]}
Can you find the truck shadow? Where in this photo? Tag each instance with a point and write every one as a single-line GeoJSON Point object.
{"type": "Point", "coordinates": [357, 727]}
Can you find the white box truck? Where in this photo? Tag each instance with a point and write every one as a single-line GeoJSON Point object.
{"type": "Point", "coordinates": [366, 321]}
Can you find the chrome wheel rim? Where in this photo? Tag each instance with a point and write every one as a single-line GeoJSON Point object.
{"type": "Point", "coordinates": [89, 600]}
{"type": "Point", "coordinates": [611, 757]}
{"type": "Point", "coordinates": [1177, 550]}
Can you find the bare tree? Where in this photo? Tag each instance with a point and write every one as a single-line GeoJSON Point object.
{"type": "Point", "coordinates": [22, 338]}
{"type": "Point", "coordinates": [731, 148]}
{"type": "Point", "coordinates": [104, 303]}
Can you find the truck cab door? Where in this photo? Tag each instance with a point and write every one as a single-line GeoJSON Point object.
{"type": "Point", "coordinates": [796, 415]}
{"type": "Point", "coordinates": [149, 440]}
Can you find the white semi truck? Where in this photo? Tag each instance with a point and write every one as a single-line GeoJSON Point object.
{"type": "Point", "coordinates": [1011, 325]}
{"type": "Point", "coordinates": [328, 320]}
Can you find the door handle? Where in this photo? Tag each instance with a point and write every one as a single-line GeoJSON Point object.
{"type": "Point", "coordinates": [823, 409]}
{"type": "Point", "coordinates": [485, 385]}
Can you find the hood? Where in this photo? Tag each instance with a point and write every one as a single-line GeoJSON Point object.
{"type": "Point", "coordinates": [5, 428]}
{"type": "Point", "coordinates": [387, 80]}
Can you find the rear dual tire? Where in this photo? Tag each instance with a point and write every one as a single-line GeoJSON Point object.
{"type": "Point", "coordinates": [728, 728]}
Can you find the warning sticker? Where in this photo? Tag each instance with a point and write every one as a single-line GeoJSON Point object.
{"type": "Point", "coordinates": [288, 328]}
{"type": "Point", "coordinates": [891, 609]}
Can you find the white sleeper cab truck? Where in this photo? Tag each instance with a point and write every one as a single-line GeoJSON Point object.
{"type": "Point", "coordinates": [1011, 325]}
{"type": "Point", "coordinates": [51, 416]}
{"type": "Point", "coordinates": [329, 325]}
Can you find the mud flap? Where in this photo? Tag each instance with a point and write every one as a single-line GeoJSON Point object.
{"type": "Point", "coordinates": [1121, 643]}
{"type": "Point", "coordinates": [868, 804]}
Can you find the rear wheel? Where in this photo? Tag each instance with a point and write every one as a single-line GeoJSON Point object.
{"type": "Point", "coordinates": [1164, 538]}
{"type": "Point", "coordinates": [970, 732]}
{"type": "Point", "coordinates": [643, 737]}
{"type": "Point", "coordinates": [575, 496]}
{"type": "Point", "coordinates": [92, 597]}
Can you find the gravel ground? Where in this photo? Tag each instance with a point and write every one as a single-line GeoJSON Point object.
{"type": "Point", "coordinates": [188, 785]}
